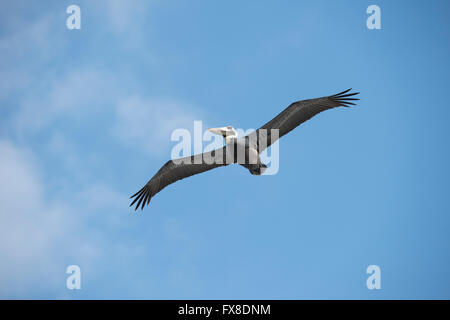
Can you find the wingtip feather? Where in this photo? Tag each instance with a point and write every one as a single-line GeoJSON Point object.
{"type": "Point", "coordinates": [343, 98]}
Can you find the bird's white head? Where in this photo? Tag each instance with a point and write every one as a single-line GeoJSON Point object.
{"type": "Point", "coordinates": [227, 132]}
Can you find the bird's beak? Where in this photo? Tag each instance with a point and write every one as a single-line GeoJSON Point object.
{"type": "Point", "coordinates": [219, 131]}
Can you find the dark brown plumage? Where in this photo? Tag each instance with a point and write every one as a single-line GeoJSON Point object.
{"type": "Point", "coordinates": [301, 111]}
{"type": "Point", "coordinates": [291, 117]}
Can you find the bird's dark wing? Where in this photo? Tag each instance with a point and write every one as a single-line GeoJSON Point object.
{"type": "Point", "coordinates": [178, 169]}
{"type": "Point", "coordinates": [297, 113]}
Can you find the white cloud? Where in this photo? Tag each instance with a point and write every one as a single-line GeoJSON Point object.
{"type": "Point", "coordinates": [29, 226]}
{"type": "Point", "coordinates": [148, 123]}
{"type": "Point", "coordinates": [122, 14]}
{"type": "Point", "coordinates": [25, 34]}
{"type": "Point", "coordinates": [21, 38]}
{"type": "Point", "coordinates": [41, 235]}
{"type": "Point", "coordinates": [44, 228]}
{"type": "Point", "coordinates": [77, 93]}
{"type": "Point", "coordinates": [52, 94]}
{"type": "Point", "coordinates": [138, 121]}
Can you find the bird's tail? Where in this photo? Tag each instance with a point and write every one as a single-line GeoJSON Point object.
{"type": "Point", "coordinates": [257, 169]}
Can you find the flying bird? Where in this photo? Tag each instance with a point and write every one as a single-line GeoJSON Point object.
{"type": "Point", "coordinates": [244, 151]}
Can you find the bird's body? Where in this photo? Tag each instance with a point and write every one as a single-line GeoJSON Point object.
{"type": "Point", "coordinates": [242, 151]}
{"type": "Point", "coordinates": [245, 150]}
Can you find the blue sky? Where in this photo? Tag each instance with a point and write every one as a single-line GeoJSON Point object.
{"type": "Point", "coordinates": [86, 118]}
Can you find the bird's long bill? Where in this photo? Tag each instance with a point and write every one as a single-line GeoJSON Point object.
{"type": "Point", "coordinates": [219, 131]}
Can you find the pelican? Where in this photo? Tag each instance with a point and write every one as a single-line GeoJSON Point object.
{"type": "Point", "coordinates": [244, 151]}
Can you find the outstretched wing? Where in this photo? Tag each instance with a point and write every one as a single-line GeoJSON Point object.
{"type": "Point", "coordinates": [178, 169]}
{"type": "Point", "coordinates": [297, 113]}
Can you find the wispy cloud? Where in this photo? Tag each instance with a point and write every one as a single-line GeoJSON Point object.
{"type": "Point", "coordinates": [42, 233]}
{"type": "Point", "coordinates": [76, 93]}
{"type": "Point", "coordinates": [46, 225]}
{"type": "Point", "coordinates": [148, 123]}
{"type": "Point", "coordinates": [121, 16]}
{"type": "Point", "coordinates": [30, 226]}
{"type": "Point", "coordinates": [20, 62]}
